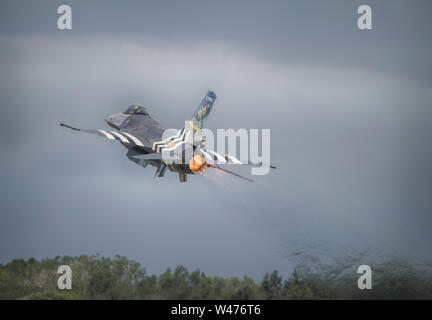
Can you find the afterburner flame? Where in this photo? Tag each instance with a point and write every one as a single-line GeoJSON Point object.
{"type": "Point", "coordinates": [197, 164]}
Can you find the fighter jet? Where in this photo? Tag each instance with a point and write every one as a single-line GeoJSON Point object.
{"type": "Point", "coordinates": [183, 152]}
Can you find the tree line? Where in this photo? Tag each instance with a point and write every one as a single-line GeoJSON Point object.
{"type": "Point", "coordinates": [96, 277]}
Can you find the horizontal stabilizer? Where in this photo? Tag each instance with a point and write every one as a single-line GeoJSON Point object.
{"type": "Point", "coordinates": [148, 156]}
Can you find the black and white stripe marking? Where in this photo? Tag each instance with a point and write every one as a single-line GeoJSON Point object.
{"type": "Point", "coordinates": [216, 157]}
{"type": "Point", "coordinates": [181, 135]}
{"type": "Point", "coordinates": [123, 137]}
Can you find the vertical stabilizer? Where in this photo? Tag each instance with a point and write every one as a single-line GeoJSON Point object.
{"type": "Point", "coordinates": [202, 112]}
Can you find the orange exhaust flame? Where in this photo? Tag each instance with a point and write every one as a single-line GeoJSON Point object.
{"type": "Point", "coordinates": [197, 164]}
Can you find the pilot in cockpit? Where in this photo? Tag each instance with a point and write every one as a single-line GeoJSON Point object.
{"type": "Point", "coordinates": [136, 109]}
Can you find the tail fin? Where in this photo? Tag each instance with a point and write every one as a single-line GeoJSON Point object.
{"type": "Point", "coordinates": [201, 113]}
{"type": "Point", "coordinates": [192, 131]}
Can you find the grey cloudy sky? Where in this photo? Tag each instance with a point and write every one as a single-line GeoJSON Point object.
{"type": "Point", "coordinates": [349, 113]}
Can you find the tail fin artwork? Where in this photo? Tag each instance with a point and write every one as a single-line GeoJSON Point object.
{"type": "Point", "coordinates": [203, 110]}
{"type": "Point", "coordinates": [199, 117]}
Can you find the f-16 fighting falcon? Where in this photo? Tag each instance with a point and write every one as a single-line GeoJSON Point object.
{"type": "Point", "coordinates": [183, 152]}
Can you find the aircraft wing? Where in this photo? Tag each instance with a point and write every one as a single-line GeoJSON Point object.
{"type": "Point", "coordinates": [121, 136]}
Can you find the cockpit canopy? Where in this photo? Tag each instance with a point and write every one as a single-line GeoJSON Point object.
{"type": "Point", "coordinates": [136, 109]}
